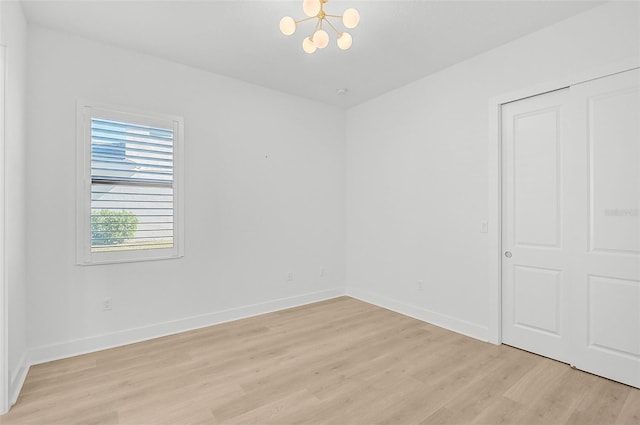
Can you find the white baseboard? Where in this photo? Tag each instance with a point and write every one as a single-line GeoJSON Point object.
{"type": "Point", "coordinates": [102, 342]}
{"type": "Point", "coordinates": [17, 380]}
{"type": "Point", "coordinates": [444, 321]}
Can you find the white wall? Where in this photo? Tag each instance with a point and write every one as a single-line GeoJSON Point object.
{"type": "Point", "coordinates": [264, 196]}
{"type": "Point", "coordinates": [417, 168]}
{"type": "Point", "coordinates": [14, 37]}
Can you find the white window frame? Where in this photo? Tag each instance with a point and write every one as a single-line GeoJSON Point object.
{"type": "Point", "coordinates": [87, 110]}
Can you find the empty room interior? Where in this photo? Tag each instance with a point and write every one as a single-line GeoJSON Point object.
{"type": "Point", "coordinates": [319, 212]}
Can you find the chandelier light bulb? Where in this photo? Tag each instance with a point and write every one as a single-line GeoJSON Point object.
{"type": "Point", "coordinates": [350, 18]}
{"type": "Point", "coordinates": [308, 46]}
{"type": "Point", "coordinates": [345, 41]}
{"type": "Point", "coordinates": [287, 25]}
{"type": "Point", "coordinates": [311, 7]}
{"type": "Point", "coordinates": [320, 39]}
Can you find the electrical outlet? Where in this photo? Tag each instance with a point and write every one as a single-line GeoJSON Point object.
{"type": "Point", "coordinates": [290, 277]}
{"type": "Point", "coordinates": [323, 272]}
{"type": "Point", "coordinates": [419, 285]}
{"type": "Point", "coordinates": [106, 304]}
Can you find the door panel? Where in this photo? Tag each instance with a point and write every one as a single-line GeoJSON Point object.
{"type": "Point", "coordinates": [614, 317]}
{"type": "Point", "coordinates": [613, 185]}
{"type": "Point", "coordinates": [534, 278]}
{"type": "Point", "coordinates": [605, 296]}
{"type": "Point", "coordinates": [536, 194]}
{"type": "Point", "coordinates": [536, 299]}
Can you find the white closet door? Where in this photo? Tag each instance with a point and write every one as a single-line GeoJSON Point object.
{"type": "Point", "coordinates": [571, 226]}
{"type": "Point", "coordinates": [534, 267]}
{"type": "Point", "coordinates": [604, 205]}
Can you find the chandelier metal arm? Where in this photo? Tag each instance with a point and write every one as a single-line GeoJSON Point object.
{"type": "Point", "coordinates": [334, 28]}
{"type": "Point", "coordinates": [305, 19]}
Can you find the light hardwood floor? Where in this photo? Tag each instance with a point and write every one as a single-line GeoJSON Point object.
{"type": "Point", "coordinates": [340, 361]}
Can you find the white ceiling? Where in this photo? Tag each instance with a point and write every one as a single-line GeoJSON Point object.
{"type": "Point", "coordinates": [396, 42]}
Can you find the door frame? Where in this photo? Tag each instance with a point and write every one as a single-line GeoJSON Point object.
{"type": "Point", "coordinates": [494, 211]}
{"type": "Point", "coordinates": [4, 302]}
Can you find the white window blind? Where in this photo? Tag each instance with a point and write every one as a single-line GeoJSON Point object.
{"type": "Point", "coordinates": [131, 194]}
{"type": "Point", "coordinates": [131, 186]}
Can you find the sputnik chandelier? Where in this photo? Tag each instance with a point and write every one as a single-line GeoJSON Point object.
{"type": "Point", "coordinates": [314, 9]}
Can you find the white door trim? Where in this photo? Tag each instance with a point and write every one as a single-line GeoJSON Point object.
{"type": "Point", "coordinates": [494, 182]}
{"type": "Point", "coordinates": [4, 304]}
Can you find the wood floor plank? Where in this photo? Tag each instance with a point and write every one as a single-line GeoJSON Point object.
{"type": "Point", "coordinates": [602, 403]}
{"type": "Point", "coordinates": [486, 389]}
{"type": "Point", "coordinates": [274, 411]}
{"type": "Point", "coordinates": [554, 400]}
{"type": "Point", "coordinates": [501, 411]}
{"type": "Point", "coordinates": [341, 361]}
{"type": "Point", "coordinates": [630, 413]}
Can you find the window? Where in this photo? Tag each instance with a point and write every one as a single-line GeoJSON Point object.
{"type": "Point", "coordinates": [129, 190]}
